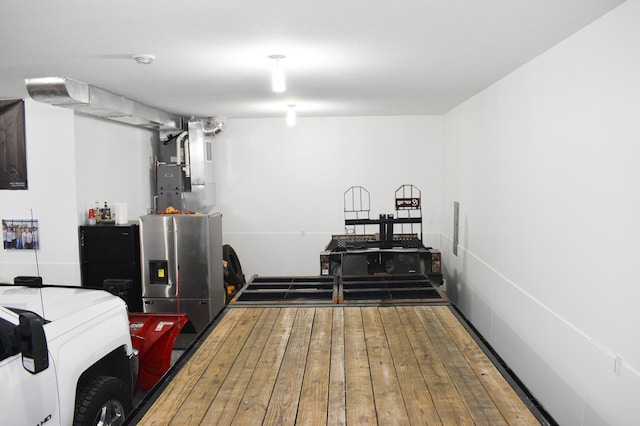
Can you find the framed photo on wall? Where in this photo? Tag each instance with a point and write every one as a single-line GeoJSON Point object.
{"type": "Point", "coordinates": [20, 234]}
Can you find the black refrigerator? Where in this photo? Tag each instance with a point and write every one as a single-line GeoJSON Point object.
{"type": "Point", "coordinates": [110, 259]}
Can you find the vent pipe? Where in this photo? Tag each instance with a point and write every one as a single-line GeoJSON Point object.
{"type": "Point", "coordinates": [87, 99]}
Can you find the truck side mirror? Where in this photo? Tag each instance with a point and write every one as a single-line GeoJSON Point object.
{"type": "Point", "coordinates": [33, 343]}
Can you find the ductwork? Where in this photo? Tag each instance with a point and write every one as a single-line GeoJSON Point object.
{"type": "Point", "coordinates": [87, 99]}
{"type": "Point", "coordinates": [213, 125]}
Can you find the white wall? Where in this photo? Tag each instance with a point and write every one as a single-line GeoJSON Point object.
{"type": "Point", "coordinates": [115, 164]}
{"type": "Point", "coordinates": [51, 198]}
{"type": "Point", "coordinates": [72, 160]}
{"type": "Point", "coordinates": [545, 167]}
{"type": "Point", "coordinates": [281, 188]}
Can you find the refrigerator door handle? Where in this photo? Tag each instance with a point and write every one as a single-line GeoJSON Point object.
{"type": "Point", "coordinates": [176, 258]}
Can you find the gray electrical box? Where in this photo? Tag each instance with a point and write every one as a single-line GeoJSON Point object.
{"type": "Point", "coordinates": [456, 226]}
{"type": "Point", "coordinates": [185, 173]}
{"type": "Point", "coordinates": [172, 184]}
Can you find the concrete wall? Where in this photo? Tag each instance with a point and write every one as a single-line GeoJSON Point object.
{"type": "Point", "coordinates": [544, 166]}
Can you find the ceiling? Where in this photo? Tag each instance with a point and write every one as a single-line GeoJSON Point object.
{"type": "Point", "coordinates": [343, 58]}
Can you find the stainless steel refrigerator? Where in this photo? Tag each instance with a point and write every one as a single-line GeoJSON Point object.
{"type": "Point", "coordinates": [181, 257]}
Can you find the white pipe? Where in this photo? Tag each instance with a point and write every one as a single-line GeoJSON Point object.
{"type": "Point", "coordinates": [187, 158]}
{"type": "Point", "coordinates": [179, 139]}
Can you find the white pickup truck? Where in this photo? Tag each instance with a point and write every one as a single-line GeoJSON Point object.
{"type": "Point", "coordinates": [65, 356]}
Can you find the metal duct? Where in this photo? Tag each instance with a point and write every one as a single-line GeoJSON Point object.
{"type": "Point", "coordinates": [87, 99]}
{"type": "Point", "coordinates": [213, 125]}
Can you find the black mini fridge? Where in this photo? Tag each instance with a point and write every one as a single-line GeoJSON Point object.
{"type": "Point", "coordinates": [110, 259]}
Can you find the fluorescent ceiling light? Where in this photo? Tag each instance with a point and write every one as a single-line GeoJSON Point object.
{"type": "Point", "coordinates": [291, 115]}
{"type": "Point", "coordinates": [277, 74]}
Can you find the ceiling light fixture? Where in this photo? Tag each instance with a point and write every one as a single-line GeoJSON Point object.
{"type": "Point", "coordinates": [144, 59]}
{"type": "Point", "coordinates": [278, 84]}
{"type": "Point", "coordinates": [291, 115]}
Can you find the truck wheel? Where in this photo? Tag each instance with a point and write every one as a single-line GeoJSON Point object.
{"type": "Point", "coordinates": [104, 401]}
{"type": "Point", "coordinates": [236, 276]}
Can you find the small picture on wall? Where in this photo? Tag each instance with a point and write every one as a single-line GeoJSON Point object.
{"type": "Point", "coordinates": [20, 234]}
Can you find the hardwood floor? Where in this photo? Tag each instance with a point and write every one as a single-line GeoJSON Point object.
{"type": "Point", "coordinates": [390, 365]}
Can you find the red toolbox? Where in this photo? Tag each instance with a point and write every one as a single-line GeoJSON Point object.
{"type": "Point", "coordinates": [153, 335]}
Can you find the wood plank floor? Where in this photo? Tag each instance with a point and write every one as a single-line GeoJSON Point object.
{"type": "Point", "coordinates": [391, 365]}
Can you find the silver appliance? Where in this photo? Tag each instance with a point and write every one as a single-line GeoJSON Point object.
{"type": "Point", "coordinates": [182, 269]}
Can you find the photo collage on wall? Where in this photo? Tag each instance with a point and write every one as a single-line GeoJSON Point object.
{"type": "Point", "coordinates": [20, 234]}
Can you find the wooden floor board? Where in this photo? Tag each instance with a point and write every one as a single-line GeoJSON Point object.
{"type": "Point", "coordinates": [360, 405]}
{"type": "Point", "coordinates": [337, 408]}
{"type": "Point", "coordinates": [503, 395]}
{"type": "Point", "coordinates": [194, 408]}
{"type": "Point", "coordinates": [226, 403]}
{"type": "Point", "coordinates": [390, 408]}
{"type": "Point", "coordinates": [339, 366]}
{"type": "Point", "coordinates": [314, 396]}
{"type": "Point", "coordinates": [257, 396]}
{"type": "Point", "coordinates": [477, 400]}
{"type": "Point", "coordinates": [415, 391]}
{"type": "Point", "coordinates": [445, 395]}
{"type": "Point", "coordinates": [283, 404]}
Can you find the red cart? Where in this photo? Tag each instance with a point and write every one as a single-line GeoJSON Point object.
{"type": "Point", "coordinates": [153, 335]}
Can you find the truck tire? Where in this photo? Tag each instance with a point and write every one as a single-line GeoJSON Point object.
{"type": "Point", "coordinates": [103, 401]}
{"type": "Point", "coordinates": [236, 276]}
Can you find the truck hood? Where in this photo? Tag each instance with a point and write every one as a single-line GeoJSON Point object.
{"type": "Point", "coordinates": [53, 303]}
